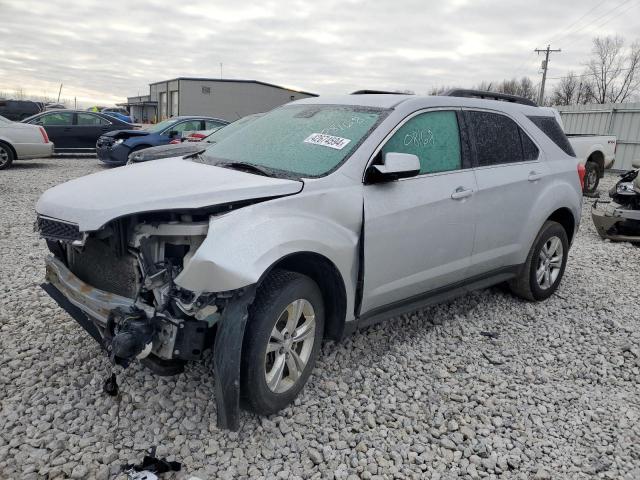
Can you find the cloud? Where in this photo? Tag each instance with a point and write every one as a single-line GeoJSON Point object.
{"type": "Point", "coordinates": [105, 51]}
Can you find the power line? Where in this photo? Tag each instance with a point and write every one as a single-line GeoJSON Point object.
{"type": "Point", "coordinates": [593, 23]}
{"type": "Point", "coordinates": [633, 5]}
{"type": "Point", "coordinates": [568, 29]}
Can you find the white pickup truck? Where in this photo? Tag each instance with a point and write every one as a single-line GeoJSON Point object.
{"type": "Point", "coordinates": [596, 152]}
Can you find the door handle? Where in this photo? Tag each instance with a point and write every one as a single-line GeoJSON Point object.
{"type": "Point", "coordinates": [68, 129]}
{"type": "Point", "coordinates": [533, 176]}
{"type": "Point", "coordinates": [461, 192]}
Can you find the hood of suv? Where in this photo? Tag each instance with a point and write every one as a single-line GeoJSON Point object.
{"type": "Point", "coordinates": [166, 184]}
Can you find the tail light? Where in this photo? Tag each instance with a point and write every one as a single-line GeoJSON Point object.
{"type": "Point", "coordinates": [45, 137]}
{"type": "Point", "coordinates": [581, 172]}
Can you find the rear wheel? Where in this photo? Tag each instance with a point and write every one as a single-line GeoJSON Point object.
{"type": "Point", "coordinates": [6, 156]}
{"type": "Point", "coordinates": [282, 341]}
{"type": "Point", "coordinates": [591, 177]}
{"type": "Point", "coordinates": [544, 268]}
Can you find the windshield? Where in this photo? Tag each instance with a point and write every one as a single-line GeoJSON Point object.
{"type": "Point", "coordinates": [158, 127]}
{"type": "Point", "coordinates": [298, 140]}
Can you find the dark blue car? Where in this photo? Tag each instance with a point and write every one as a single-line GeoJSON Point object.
{"type": "Point", "coordinates": [114, 148]}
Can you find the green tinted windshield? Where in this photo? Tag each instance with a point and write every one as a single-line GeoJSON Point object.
{"type": "Point", "coordinates": [298, 140]}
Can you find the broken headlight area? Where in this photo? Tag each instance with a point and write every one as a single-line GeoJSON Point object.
{"type": "Point", "coordinates": [135, 261]}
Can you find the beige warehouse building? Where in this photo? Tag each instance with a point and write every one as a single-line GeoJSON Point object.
{"type": "Point", "coordinates": [222, 98]}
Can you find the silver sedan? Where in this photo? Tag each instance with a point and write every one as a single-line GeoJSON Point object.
{"type": "Point", "coordinates": [19, 141]}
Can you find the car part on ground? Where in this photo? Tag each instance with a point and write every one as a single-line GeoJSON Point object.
{"type": "Point", "coordinates": [620, 220]}
{"type": "Point", "coordinates": [322, 211]}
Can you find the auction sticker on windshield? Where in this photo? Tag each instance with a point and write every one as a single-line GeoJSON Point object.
{"type": "Point", "coordinates": [330, 141]}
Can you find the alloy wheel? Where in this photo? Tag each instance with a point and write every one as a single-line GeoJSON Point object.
{"type": "Point", "coordinates": [549, 262]}
{"type": "Point", "coordinates": [290, 345]}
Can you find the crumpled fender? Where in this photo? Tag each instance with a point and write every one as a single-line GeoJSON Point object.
{"type": "Point", "coordinates": [244, 244]}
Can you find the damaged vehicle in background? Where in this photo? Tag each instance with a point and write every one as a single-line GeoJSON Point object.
{"type": "Point", "coordinates": [189, 147]}
{"type": "Point", "coordinates": [114, 148]}
{"type": "Point", "coordinates": [323, 216]}
{"type": "Point", "coordinates": [620, 220]}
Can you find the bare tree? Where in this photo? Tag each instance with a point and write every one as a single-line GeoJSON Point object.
{"type": "Point", "coordinates": [566, 91]}
{"type": "Point", "coordinates": [613, 72]}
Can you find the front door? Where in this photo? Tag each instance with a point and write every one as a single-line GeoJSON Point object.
{"type": "Point", "coordinates": [418, 232]}
{"type": "Point", "coordinates": [59, 127]}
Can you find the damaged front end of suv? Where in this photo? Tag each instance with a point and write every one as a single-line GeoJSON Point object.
{"type": "Point", "coordinates": [120, 284]}
{"type": "Point", "coordinates": [619, 220]}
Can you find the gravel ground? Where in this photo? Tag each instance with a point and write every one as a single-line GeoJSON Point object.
{"type": "Point", "coordinates": [486, 386]}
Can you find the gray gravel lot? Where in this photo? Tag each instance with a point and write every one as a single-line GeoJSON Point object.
{"type": "Point", "coordinates": [427, 395]}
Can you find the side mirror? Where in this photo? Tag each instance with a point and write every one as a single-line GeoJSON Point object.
{"type": "Point", "coordinates": [635, 163]}
{"type": "Point", "coordinates": [394, 166]}
{"type": "Point", "coordinates": [174, 133]}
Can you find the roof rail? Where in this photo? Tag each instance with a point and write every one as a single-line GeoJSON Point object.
{"type": "Point", "coordinates": [377, 92]}
{"type": "Point", "coordinates": [460, 92]}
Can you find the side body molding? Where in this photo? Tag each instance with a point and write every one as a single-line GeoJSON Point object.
{"type": "Point", "coordinates": [244, 244]}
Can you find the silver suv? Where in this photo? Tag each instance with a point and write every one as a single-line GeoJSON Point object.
{"type": "Point", "coordinates": [321, 217]}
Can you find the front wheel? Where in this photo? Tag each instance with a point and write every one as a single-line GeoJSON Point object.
{"type": "Point", "coordinates": [544, 268]}
{"type": "Point", "coordinates": [282, 341]}
{"type": "Point", "coordinates": [591, 178]}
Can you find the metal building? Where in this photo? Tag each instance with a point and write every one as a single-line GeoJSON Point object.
{"type": "Point", "coordinates": [619, 119]}
{"type": "Point", "coordinates": [222, 98]}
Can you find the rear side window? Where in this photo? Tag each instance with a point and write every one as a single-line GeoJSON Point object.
{"type": "Point", "coordinates": [435, 139]}
{"type": "Point", "coordinates": [552, 129]}
{"type": "Point", "coordinates": [499, 140]}
{"type": "Point", "coordinates": [87, 119]}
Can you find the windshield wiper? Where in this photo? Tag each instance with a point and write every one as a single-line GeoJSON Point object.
{"type": "Point", "coordinates": [248, 167]}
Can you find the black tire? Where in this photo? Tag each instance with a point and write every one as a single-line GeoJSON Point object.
{"type": "Point", "coordinates": [276, 292]}
{"type": "Point", "coordinates": [526, 284]}
{"type": "Point", "coordinates": [591, 177]}
{"type": "Point", "coordinates": [6, 156]}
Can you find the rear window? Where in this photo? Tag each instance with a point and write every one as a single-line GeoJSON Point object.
{"type": "Point", "coordinates": [552, 129]}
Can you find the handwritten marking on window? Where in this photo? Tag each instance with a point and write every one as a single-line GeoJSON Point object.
{"type": "Point", "coordinates": [342, 125]}
{"type": "Point", "coordinates": [419, 138]}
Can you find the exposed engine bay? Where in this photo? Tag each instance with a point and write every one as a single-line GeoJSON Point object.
{"type": "Point", "coordinates": [619, 220]}
{"type": "Point", "coordinates": [136, 260]}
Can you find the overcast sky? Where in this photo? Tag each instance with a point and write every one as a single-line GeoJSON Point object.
{"type": "Point", "coordinates": [105, 51]}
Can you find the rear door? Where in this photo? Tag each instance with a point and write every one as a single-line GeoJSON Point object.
{"type": "Point", "coordinates": [511, 175]}
{"type": "Point", "coordinates": [89, 127]}
{"type": "Point", "coordinates": [59, 127]}
{"type": "Point", "coordinates": [418, 232]}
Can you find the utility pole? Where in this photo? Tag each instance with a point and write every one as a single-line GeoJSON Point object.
{"type": "Point", "coordinates": [545, 66]}
{"type": "Point", "coordinates": [220, 70]}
